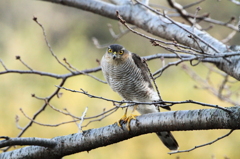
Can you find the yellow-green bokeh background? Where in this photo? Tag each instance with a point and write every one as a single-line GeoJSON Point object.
{"type": "Point", "coordinates": [69, 31]}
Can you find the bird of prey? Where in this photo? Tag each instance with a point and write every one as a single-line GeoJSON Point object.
{"type": "Point", "coordinates": [128, 75]}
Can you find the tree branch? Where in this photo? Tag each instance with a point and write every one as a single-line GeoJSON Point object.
{"type": "Point", "coordinates": [28, 141]}
{"type": "Point", "coordinates": [209, 143]}
{"type": "Point", "coordinates": [147, 20]}
{"type": "Point", "coordinates": [161, 25]}
{"type": "Point", "coordinates": [165, 121]}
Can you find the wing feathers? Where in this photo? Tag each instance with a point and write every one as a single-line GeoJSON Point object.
{"type": "Point", "coordinates": [142, 66]}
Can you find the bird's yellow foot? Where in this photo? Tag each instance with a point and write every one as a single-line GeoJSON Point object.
{"type": "Point", "coordinates": [127, 120]}
{"type": "Point", "coordinates": [123, 119]}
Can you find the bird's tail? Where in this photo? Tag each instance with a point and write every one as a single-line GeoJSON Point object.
{"type": "Point", "coordinates": [168, 140]}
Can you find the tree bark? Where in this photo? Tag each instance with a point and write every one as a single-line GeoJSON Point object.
{"type": "Point", "coordinates": [203, 119]}
{"type": "Point", "coordinates": [156, 24]}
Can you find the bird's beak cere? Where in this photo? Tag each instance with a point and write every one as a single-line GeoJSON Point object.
{"type": "Point", "coordinates": [114, 54]}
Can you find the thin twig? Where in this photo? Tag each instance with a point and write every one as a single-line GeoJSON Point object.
{"type": "Point", "coordinates": [60, 111]}
{"type": "Point", "coordinates": [17, 123]}
{"type": "Point", "coordinates": [209, 143]}
{"type": "Point", "coordinates": [200, 39]}
{"type": "Point", "coordinates": [101, 115]}
{"type": "Point", "coordinates": [222, 86]}
{"type": "Point", "coordinates": [194, 19]}
{"type": "Point", "coordinates": [229, 37]}
{"type": "Point", "coordinates": [69, 65]}
{"type": "Point", "coordinates": [205, 84]}
{"type": "Point", "coordinates": [192, 4]}
{"type": "Point", "coordinates": [131, 103]}
{"type": "Point", "coordinates": [39, 98]}
{"type": "Point", "coordinates": [63, 76]}
{"type": "Point", "coordinates": [198, 103]}
{"type": "Point", "coordinates": [195, 40]}
{"type": "Point", "coordinates": [78, 71]}
{"type": "Point", "coordinates": [38, 112]}
{"type": "Point", "coordinates": [183, 13]}
{"type": "Point", "coordinates": [3, 65]}
{"type": "Point", "coordinates": [49, 46]}
{"type": "Point", "coordinates": [81, 121]}
{"type": "Point", "coordinates": [72, 116]}
{"type": "Point", "coordinates": [159, 72]}
{"type": "Point", "coordinates": [188, 16]}
{"type": "Point", "coordinates": [19, 58]}
{"type": "Point", "coordinates": [111, 111]}
{"type": "Point", "coordinates": [92, 96]}
{"type": "Point", "coordinates": [50, 125]}
{"type": "Point", "coordinates": [113, 34]}
{"type": "Point", "coordinates": [152, 40]}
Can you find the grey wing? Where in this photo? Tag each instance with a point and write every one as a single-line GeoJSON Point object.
{"type": "Point", "coordinates": [143, 67]}
{"type": "Point", "coordinates": [145, 73]}
{"type": "Point", "coordinates": [165, 136]}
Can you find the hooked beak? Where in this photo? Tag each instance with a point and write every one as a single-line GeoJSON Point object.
{"type": "Point", "coordinates": [114, 55]}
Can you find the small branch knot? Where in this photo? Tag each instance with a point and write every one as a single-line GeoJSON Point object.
{"type": "Point", "coordinates": [18, 57]}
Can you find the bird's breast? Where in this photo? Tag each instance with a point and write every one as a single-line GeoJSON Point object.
{"type": "Point", "coordinates": [126, 79]}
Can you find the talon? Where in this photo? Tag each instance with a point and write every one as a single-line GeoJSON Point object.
{"type": "Point", "coordinates": [122, 120]}
{"type": "Point", "coordinates": [129, 120]}
{"type": "Point", "coordinates": [125, 119]}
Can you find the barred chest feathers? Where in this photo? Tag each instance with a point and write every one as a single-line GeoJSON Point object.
{"type": "Point", "coordinates": [125, 78]}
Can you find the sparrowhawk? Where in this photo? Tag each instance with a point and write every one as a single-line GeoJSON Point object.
{"type": "Point", "coordinates": [128, 75]}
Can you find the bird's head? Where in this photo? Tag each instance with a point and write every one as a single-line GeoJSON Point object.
{"type": "Point", "coordinates": [116, 51]}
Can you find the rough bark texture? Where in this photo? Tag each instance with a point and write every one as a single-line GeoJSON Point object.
{"type": "Point", "coordinates": [203, 119]}
{"type": "Point", "coordinates": [158, 25]}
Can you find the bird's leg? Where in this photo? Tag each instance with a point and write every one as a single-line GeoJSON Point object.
{"type": "Point", "coordinates": [132, 116]}
{"type": "Point", "coordinates": [128, 119]}
{"type": "Point", "coordinates": [134, 108]}
{"type": "Point", "coordinates": [123, 118]}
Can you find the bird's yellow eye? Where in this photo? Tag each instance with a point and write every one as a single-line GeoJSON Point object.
{"type": "Point", "coordinates": [121, 52]}
{"type": "Point", "coordinates": [109, 50]}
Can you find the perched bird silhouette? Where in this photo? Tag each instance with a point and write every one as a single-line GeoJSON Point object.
{"type": "Point", "coordinates": [128, 75]}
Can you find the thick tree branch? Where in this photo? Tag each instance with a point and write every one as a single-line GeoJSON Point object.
{"type": "Point", "coordinates": [159, 24]}
{"type": "Point", "coordinates": [203, 48]}
{"type": "Point", "coordinates": [203, 119]}
{"type": "Point", "coordinates": [145, 19]}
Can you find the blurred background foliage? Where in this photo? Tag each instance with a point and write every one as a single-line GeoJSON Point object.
{"type": "Point", "coordinates": [69, 32]}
